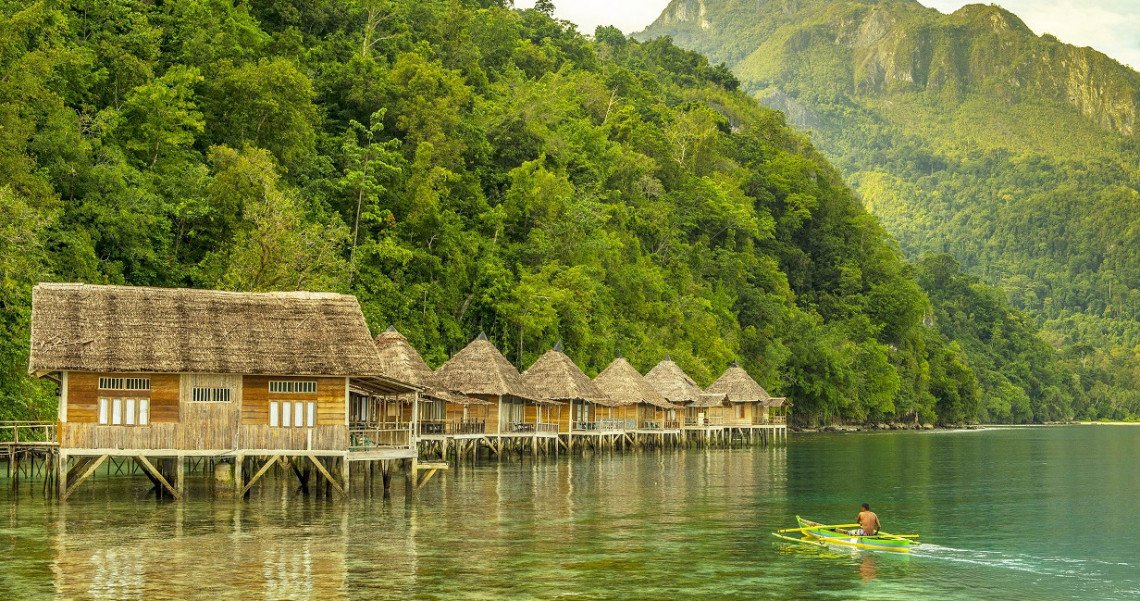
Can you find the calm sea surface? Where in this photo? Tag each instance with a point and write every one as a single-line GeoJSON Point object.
{"type": "Point", "coordinates": [1020, 513]}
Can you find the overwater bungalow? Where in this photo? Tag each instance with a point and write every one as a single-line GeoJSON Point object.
{"type": "Point", "coordinates": [748, 411]}
{"type": "Point", "coordinates": [703, 412]}
{"type": "Point", "coordinates": [586, 412]}
{"type": "Point", "coordinates": [518, 414]}
{"type": "Point", "coordinates": [443, 416]}
{"type": "Point", "coordinates": [657, 420]}
{"type": "Point", "coordinates": [158, 375]}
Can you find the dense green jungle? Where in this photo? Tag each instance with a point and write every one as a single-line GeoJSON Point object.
{"type": "Point", "coordinates": [970, 135]}
{"type": "Point", "coordinates": [460, 165]}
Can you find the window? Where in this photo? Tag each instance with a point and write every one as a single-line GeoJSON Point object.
{"type": "Point", "coordinates": [292, 414]}
{"type": "Point", "coordinates": [299, 386]}
{"type": "Point", "coordinates": [740, 411]}
{"type": "Point", "coordinates": [211, 395]}
{"type": "Point", "coordinates": [124, 412]}
{"type": "Point", "coordinates": [107, 383]}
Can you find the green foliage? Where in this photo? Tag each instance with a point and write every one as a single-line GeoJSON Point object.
{"type": "Point", "coordinates": [462, 166]}
{"type": "Point", "coordinates": [967, 134]}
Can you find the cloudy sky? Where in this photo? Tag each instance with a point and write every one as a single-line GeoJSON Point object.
{"type": "Point", "coordinates": [1111, 26]}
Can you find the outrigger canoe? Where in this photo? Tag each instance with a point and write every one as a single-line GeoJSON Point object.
{"type": "Point", "coordinates": [815, 533]}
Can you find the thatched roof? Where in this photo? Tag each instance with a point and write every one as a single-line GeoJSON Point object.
{"type": "Point", "coordinates": [481, 369]}
{"type": "Point", "coordinates": [622, 383]}
{"type": "Point", "coordinates": [82, 327]}
{"type": "Point", "coordinates": [402, 361]}
{"type": "Point", "coordinates": [668, 379]}
{"type": "Point", "coordinates": [555, 377]}
{"type": "Point", "coordinates": [777, 402]}
{"type": "Point", "coordinates": [710, 400]}
{"type": "Point", "coordinates": [739, 386]}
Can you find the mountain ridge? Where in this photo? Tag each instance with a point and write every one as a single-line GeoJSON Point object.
{"type": "Point", "coordinates": [964, 133]}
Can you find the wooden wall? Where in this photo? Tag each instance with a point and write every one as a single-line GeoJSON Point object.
{"type": "Point", "coordinates": [732, 414]}
{"type": "Point", "coordinates": [83, 396]}
{"type": "Point", "coordinates": [330, 399]}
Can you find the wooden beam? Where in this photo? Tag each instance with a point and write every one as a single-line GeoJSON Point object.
{"type": "Point", "coordinates": [148, 466]}
{"type": "Point", "coordinates": [257, 476]}
{"type": "Point", "coordinates": [324, 472]}
{"type": "Point", "coordinates": [94, 465]}
{"type": "Point", "coordinates": [425, 478]}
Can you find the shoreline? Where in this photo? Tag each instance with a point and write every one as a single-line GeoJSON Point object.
{"type": "Point", "coordinates": [898, 427]}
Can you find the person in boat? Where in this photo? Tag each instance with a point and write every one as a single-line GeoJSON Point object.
{"type": "Point", "coordinates": [868, 522]}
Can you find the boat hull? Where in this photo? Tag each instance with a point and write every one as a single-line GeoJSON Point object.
{"type": "Point", "coordinates": [835, 536]}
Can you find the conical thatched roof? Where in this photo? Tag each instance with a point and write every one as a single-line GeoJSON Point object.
{"type": "Point", "coordinates": [82, 327]}
{"type": "Point", "coordinates": [481, 369]}
{"type": "Point", "coordinates": [622, 383]}
{"type": "Point", "coordinates": [668, 379]}
{"type": "Point", "coordinates": [739, 386]}
{"type": "Point", "coordinates": [402, 361]}
{"type": "Point", "coordinates": [710, 400]}
{"type": "Point", "coordinates": [555, 377]}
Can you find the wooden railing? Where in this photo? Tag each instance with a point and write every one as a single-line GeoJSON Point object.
{"type": "Point", "coordinates": [778, 419]}
{"type": "Point", "coordinates": [658, 424]}
{"type": "Point", "coordinates": [432, 426]}
{"type": "Point", "coordinates": [380, 436]}
{"type": "Point", "coordinates": [461, 426]}
{"type": "Point", "coordinates": [467, 426]}
{"type": "Point", "coordinates": [546, 427]}
{"type": "Point", "coordinates": [708, 421]}
{"type": "Point", "coordinates": [27, 432]}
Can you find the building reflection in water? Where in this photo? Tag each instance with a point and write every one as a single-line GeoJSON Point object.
{"type": "Point", "coordinates": [220, 549]}
{"type": "Point", "coordinates": [505, 529]}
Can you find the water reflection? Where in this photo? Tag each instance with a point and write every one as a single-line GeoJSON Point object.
{"type": "Point", "coordinates": [175, 553]}
{"type": "Point", "coordinates": [638, 525]}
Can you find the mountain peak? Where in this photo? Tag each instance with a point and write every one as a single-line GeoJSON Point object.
{"type": "Point", "coordinates": [993, 17]}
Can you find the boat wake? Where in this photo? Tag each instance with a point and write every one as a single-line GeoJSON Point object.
{"type": "Point", "coordinates": [1063, 567]}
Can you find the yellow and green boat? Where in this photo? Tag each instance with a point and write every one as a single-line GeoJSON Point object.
{"type": "Point", "coordinates": [815, 533]}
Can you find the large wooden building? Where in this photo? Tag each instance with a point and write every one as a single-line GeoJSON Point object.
{"type": "Point", "coordinates": [170, 373]}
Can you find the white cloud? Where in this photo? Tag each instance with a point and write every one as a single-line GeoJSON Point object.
{"type": "Point", "coordinates": [627, 15]}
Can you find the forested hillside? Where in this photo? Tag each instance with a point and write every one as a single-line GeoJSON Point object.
{"type": "Point", "coordinates": [966, 134]}
{"type": "Point", "coordinates": [461, 166]}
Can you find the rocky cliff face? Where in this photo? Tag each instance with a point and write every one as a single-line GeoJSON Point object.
{"type": "Point", "coordinates": [886, 47]}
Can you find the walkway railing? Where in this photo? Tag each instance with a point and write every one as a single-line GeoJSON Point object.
{"type": "Point", "coordinates": [380, 436]}
{"type": "Point", "coordinates": [467, 426]}
{"type": "Point", "coordinates": [546, 427]}
{"type": "Point", "coordinates": [27, 432]}
{"type": "Point", "coordinates": [605, 425]}
{"type": "Point", "coordinates": [708, 421]}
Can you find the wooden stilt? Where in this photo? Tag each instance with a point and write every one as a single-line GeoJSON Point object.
{"type": "Point", "coordinates": [86, 473]}
{"type": "Point", "coordinates": [157, 475]}
{"type": "Point", "coordinates": [324, 472]}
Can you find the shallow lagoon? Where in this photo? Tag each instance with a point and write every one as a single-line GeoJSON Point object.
{"type": "Point", "coordinates": [1044, 513]}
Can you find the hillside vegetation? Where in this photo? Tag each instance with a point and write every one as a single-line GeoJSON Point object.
{"type": "Point", "coordinates": [966, 134]}
{"type": "Point", "coordinates": [461, 166]}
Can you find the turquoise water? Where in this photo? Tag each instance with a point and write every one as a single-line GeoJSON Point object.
{"type": "Point", "coordinates": [1024, 513]}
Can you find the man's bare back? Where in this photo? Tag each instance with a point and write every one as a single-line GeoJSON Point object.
{"type": "Point", "coordinates": [868, 521]}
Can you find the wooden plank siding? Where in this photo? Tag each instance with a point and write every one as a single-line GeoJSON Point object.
{"type": "Point", "coordinates": [179, 423]}
{"type": "Point", "coordinates": [330, 399]}
{"type": "Point", "coordinates": [83, 396]}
